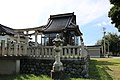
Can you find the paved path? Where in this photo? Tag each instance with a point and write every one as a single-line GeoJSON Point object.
{"type": "Point", "coordinates": [116, 57]}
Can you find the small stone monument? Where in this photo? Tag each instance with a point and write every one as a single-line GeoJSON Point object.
{"type": "Point", "coordinates": [56, 72]}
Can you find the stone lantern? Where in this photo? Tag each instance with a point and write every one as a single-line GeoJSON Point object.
{"type": "Point", "coordinates": [56, 72]}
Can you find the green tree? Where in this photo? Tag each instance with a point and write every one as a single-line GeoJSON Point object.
{"type": "Point", "coordinates": [113, 41]}
{"type": "Point", "coordinates": [114, 13]}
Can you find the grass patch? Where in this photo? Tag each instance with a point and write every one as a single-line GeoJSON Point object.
{"type": "Point", "coordinates": [99, 69]}
{"type": "Point", "coordinates": [104, 69]}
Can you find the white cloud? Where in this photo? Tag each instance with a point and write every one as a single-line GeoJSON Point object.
{"type": "Point", "coordinates": [102, 24]}
{"type": "Point", "coordinates": [93, 11]}
{"type": "Point", "coordinates": [32, 13]}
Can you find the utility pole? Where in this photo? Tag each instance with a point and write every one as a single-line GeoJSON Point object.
{"type": "Point", "coordinates": [108, 47]}
{"type": "Point", "coordinates": [104, 32]}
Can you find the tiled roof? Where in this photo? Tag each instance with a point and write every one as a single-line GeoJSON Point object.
{"type": "Point", "coordinates": [56, 25]}
{"type": "Point", "coordinates": [60, 22]}
{"type": "Point", "coordinates": [6, 30]}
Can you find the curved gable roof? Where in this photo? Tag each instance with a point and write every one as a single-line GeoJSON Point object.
{"type": "Point", "coordinates": [60, 22]}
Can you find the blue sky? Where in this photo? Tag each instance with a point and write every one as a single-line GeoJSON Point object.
{"type": "Point", "coordinates": [93, 31]}
{"type": "Point", "coordinates": [92, 15]}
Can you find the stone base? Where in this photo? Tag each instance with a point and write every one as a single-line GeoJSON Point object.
{"type": "Point", "coordinates": [57, 75]}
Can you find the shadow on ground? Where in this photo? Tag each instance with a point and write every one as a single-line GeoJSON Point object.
{"type": "Point", "coordinates": [98, 70]}
{"type": "Point", "coordinates": [7, 77]}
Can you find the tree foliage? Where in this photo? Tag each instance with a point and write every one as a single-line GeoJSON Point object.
{"type": "Point", "coordinates": [114, 43]}
{"type": "Point", "coordinates": [114, 13]}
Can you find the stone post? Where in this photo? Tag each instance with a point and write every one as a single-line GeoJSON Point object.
{"type": "Point", "coordinates": [18, 38]}
{"type": "Point", "coordinates": [15, 48]}
{"type": "Point", "coordinates": [18, 47]}
{"type": "Point", "coordinates": [3, 47]}
{"type": "Point", "coordinates": [84, 60]}
{"type": "Point", "coordinates": [83, 52]}
{"type": "Point", "coordinates": [9, 47]}
{"type": "Point", "coordinates": [57, 71]}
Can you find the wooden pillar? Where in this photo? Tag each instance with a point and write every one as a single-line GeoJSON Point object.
{"type": "Point", "coordinates": [36, 44]}
{"type": "Point", "coordinates": [26, 44]}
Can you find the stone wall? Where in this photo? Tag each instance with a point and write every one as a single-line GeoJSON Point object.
{"type": "Point", "coordinates": [36, 66]}
{"type": "Point", "coordinates": [72, 67]}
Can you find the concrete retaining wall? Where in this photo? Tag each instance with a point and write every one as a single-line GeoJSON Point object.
{"type": "Point", "coordinates": [9, 66]}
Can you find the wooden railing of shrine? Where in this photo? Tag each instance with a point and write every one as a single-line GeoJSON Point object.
{"type": "Point", "coordinates": [47, 52]}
